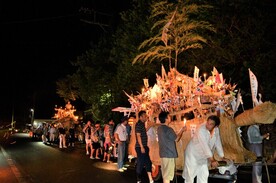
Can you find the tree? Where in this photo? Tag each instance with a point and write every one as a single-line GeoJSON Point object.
{"type": "Point", "coordinates": [179, 31]}
{"type": "Point", "coordinates": [67, 89]}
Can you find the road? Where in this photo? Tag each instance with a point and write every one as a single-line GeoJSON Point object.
{"type": "Point", "coordinates": [24, 160]}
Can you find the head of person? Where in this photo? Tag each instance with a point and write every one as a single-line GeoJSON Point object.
{"type": "Point", "coordinates": [124, 120]}
{"type": "Point", "coordinates": [106, 128]}
{"type": "Point", "coordinates": [212, 122]}
{"type": "Point", "coordinates": [98, 125]}
{"type": "Point", "coordinates": [110, 121]}
{"type": "Point", "coordinates": [163, 116]}
{"type": "Point", "coordinates": [143, 116]}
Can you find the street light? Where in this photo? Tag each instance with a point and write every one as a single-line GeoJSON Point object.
{"type": "Point", "coordinates": [32, 117]}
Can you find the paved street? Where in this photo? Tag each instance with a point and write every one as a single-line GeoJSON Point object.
{"type": "Point", "coordinates": [24, 160]}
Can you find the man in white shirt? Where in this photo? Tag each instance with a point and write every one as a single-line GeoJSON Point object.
{"type": "Point", "coordinates": [121, 138]}
{"type": "Point", "coordinates": [200, 150]}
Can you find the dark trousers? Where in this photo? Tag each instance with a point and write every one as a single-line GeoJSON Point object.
{"type": "Point", "coordinates": [143, 160]}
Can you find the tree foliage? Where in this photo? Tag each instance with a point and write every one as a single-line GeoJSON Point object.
{"type": "Point", "coordinates": [67, 89]}
{"type": "Point", "coordinates": [178, 31]}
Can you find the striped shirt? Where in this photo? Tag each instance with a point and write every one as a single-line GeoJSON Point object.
{"type": "Point", "coordinates": [140, 128]}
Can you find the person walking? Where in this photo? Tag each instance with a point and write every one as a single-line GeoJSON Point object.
{"type": "Point", "coordinates": [255, 144]}
{"type": "Point", "coordinates": [87, 130]}
{"type": "Point", "coordinates": [72, 136]}
{"type": "Point", "coordinates": [44, 133]}
{"type": "Point", "coordinates": [52, 134]}
{"type": "Point", "coordinates": [199, 151]}
{"type": "Point", "coordinates": [121, 138]}
{"type": "Point", "coordinates": [96, 141]}
{"type": "Point", "coordinates": [167, 139]}
{"type": "Point", "coordinates": [62, 136]}
{"type": "Point", "coordinates": [141, 147]}
{"type": "Point", "coordinates": [107, 144]}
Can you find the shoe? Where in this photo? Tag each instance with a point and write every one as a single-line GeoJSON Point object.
{"type": "Point", "coordinates": [126, 165]}
{"type": "Point", "coordinates": [98, 158]}
{"type": "Point", "coordinates": [121, 170]}
{"type": "Point", "coordinates": [65, 147]}
{"type": "Point", "coordinates": [60, 147]}
{"type": "Point", "coordinates": [124, 168]}
{"type": "Point", "coordinates": [152, 181]}
{"type": "Point", "coordinates": [139, 181]}
{"type": "Point", "coordinates": [104, 160]}
{"type": "Point", "coordinates": [92, 157]}
{"type": "Point", "coordinates": [87, 153]}
{"type": "Point", "coordinates": [108, 161]}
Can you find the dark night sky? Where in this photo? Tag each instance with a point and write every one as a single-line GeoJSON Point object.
{"type": "Point", "coordinates": [38, 41]}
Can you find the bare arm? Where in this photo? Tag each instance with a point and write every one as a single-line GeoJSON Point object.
{"type": "Point", "coordinates": [117, 139]}
{"type": "Point", "coordinates": [180, 133]}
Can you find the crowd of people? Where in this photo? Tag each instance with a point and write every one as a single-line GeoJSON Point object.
{"type": "Point", "coordinates": [103, 142]}
{"type": "Point", "coordinates": [108, 142]}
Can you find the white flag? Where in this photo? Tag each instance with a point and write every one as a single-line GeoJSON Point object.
{"type": "Point", "coordinates": [239, 100]}
{"type": "Point", "coordinates": [254, 87]}
{"type": "Point", "coordinates": [165, 31]}
{"type": "Point", "coordinates": [164, 75]}
{"type": "Point", "coordinates": [196, 72]}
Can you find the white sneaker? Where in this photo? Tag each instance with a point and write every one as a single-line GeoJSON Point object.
{"type": "Point", "coordinates": [121, 170]}
{"type": "Point", "coordinates": [124, 168]}
{"type": "Point", "coordinates": [152, 181]}
{"type": "Point", "coordinates": [92, 157]}
{"type": "Point", "coordinates": [87, 153]}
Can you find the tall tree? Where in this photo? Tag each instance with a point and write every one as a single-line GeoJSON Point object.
{"type": "Point", "coordinates": [179, 29]}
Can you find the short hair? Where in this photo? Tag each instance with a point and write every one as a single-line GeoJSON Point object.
{"type": "Point", "coordinates": [215, 119]}
{"type": "Point", "coordinates": [163, 116]}
{"type": "Point", "coordinates": [125, 118]}
{"type": "Point", "coordinates": [141, 113]}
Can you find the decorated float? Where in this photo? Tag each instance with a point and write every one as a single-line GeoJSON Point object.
{"type": "Point", "coordinates": [65, 116]}
{"type": "Point", "coordinates": [190, 100]}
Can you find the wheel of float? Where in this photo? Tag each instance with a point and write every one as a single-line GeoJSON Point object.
{"type": "Point", "coordinates": [156, 172]}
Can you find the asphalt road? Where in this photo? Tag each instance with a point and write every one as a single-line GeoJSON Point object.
{"type": "Point", "coordinates": [25, 160]}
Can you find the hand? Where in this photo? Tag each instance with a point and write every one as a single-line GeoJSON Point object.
{"type": "Point", "coordinates": [184, 128]}
{"type": "Point", "coordinates": [214, 164]}
{"type": "Point", "coordinates": [266, 135]}
{"type": "Point", "coordinates": [143, 150]}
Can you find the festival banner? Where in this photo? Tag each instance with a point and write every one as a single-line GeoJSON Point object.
{"type": "Point", "coordinates": [196, 73]}
{"type": "Point", "coordinates": [254, 87]}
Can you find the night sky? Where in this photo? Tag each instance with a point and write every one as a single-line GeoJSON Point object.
{"type": "Point", "coordinates": [38, 41]}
